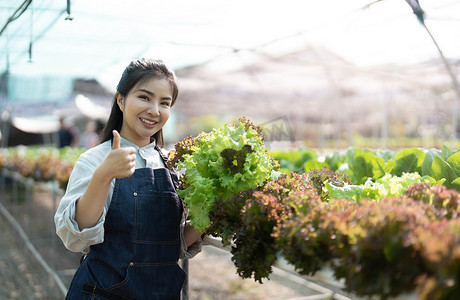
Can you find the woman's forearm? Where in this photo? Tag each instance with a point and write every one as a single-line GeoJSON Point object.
{"type": "Point", "coordinates": [190, 234]}
{"type": "Point", "coordinates": [90, 206]}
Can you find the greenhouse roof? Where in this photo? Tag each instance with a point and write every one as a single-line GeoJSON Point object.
{"type": "Point", "coordinates": [96, 39]}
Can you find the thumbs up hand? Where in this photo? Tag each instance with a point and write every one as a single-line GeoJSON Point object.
{"type": "Point", "coordinates": [120, 162]}
{"type": "Point", "coordinates": [116, 140]}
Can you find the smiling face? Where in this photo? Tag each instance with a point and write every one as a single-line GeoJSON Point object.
{"type": "Point", "coordinates": [146, 108]}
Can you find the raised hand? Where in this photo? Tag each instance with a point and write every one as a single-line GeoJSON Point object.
{"type": "Point", "coordinates": [120, 162]}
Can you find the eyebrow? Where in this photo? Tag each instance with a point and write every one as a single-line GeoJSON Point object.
{"type": "Point", "coordinates": [152, 94]}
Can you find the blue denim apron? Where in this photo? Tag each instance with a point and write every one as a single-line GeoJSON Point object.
{"type": "Point", "coordinates": [138, 258]}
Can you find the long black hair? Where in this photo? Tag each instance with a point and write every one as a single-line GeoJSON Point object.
{"type": "Point", "coordinates": [137, 72]}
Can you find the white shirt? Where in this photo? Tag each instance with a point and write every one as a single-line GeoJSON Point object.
{"type": "Point", "coordinates": [77, 240]}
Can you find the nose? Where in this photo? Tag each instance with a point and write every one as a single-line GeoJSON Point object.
{"type": "Point", "coordinates": [153, 109]}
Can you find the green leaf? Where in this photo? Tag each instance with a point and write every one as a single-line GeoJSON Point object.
{"type": "Point", "coordinates": [445, 152]}
{"type": "Point", "coordinates": [390, 167]}
{"type": "Point", "coordinates": [408, 160]}
{"type": "Point", "coordinates": [352, 192]}
{"type": "Point", "coordinates": [429, 179]}
{"type": "Point", "coordinates": [364, 164]}
{"type": "Point", "coordinates": [442, 169]}
{"type": "Point", "coordinates": [361, 168]}
{"type": "Point", "coordinates": [428, 161]}
{"type": "Point", "coordinates": [456, 184]}
{"type": "Point", "coordinates": [378, 165]}
{"type": "Point", "coordinates": [454, 162]}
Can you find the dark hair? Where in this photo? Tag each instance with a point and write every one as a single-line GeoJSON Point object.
{"type": "Point", "coordinates": [137, 72]}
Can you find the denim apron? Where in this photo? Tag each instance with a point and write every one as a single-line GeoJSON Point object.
{"type": "Point", "coordinates": [138, 258]}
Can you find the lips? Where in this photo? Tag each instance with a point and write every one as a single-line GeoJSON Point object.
{"type": "Point", "coordinates": [148, 122]}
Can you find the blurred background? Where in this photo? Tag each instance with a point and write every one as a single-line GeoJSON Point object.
{"type": "Point", "coordinates": [321, 74]}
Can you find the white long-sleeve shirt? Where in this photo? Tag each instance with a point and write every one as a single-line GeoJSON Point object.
{"type": "Point", "coordinates": [77, 240]}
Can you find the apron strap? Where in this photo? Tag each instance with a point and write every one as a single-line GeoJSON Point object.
{"type": "Point", "coordinates": [173, 173]}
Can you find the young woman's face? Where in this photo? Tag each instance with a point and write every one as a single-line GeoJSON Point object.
{"type": "Point", "coordinates": [145, 109]}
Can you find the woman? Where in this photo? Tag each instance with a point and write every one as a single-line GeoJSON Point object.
{"type": "Point", "coordinates": [120, 207]}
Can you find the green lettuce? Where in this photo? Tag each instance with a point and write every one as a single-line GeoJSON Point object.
{"type": "Point", "coordinates": [219, 164]}
{"type": "Point", "coordinates": [386, 186]}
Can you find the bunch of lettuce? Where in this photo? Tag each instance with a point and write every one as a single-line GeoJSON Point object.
{"type": "Point", "coordinates": [219, 164]}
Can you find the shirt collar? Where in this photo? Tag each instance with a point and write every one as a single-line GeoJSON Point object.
{"type": "Point", "coordinates": [126, 143]}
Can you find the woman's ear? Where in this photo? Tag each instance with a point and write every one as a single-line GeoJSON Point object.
{"type": "Point", "coordinates": [120, 101]}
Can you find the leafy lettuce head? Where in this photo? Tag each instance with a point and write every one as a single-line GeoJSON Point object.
{"type": "Point", "coordinates": [219, 164]}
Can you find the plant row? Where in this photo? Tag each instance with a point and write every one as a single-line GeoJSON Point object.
{"type": "Point", "coordinates": [443, 165]}
{"type": "Point", "coordinates": [41, 163]}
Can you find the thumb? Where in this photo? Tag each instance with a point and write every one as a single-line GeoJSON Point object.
{"type": "Point", "coordinates": [116, 140]}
